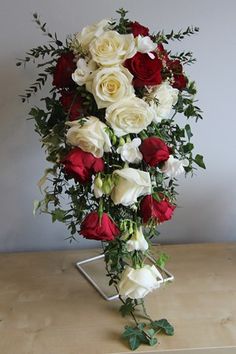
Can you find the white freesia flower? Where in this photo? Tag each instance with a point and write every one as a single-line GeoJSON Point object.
{"type": "Point", "coordinates": [137, 242]}
{"type": "Point", "coordinates": [129, 185]}
{"type": "Point", "coordinates": [97, 187]}
{"type": "Point", "coordinates": [90, 137]}
{"type": "Point", "coordinates": [112, 48]}
{"type": "Point", "coordinates": [129, 152]}
{"type": "Point", "coordinates": [167, 96]}
{"type": "Point", "coordinates": [83, 71]}
{"type": "Point", "coordinates": [174, 167]}
{"type": "Point", "coordinates": [129, 115]}
{"type": "Point", "coordinates": [137, 283]}
{"type": "Point", "coordinates": [110, 84]}
{"type": "Point", "coordinates": [88, 33]}
{"type": "Point", "coordinates": [145, 45]}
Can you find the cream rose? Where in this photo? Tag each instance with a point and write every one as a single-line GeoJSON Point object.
{"type": "Point", "coordinates": [130, 152]}
{"type": "Point", "coordinates": [88, 33]}
{"type": "Point", "coordinates": [112, 48]}
{"type": "Point", "coordinates": [83, 71]}
{"type": "Point", "coordinates": [129, 115]}
{"type": "Point", "coordinates": [129, 185]}
{"type": "Point", "coordinates": [164, 96]}
{"type": "Point", "coordinates": [90, 137]}
{"type": "Point", "coordinates": [137, 283]}
{"type": "Point", "coordinates": [108, 85]}
{"type": "Point", "coordinates": [137, 242]}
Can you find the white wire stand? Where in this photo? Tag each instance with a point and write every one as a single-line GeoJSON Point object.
{"type": "Point", "coordinates": [166, 276]}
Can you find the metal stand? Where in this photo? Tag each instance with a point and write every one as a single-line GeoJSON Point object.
{"type": "Point", "coordinates": [166, 276]}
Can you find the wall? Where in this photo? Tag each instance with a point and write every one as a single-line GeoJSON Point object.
{"type": "Point", "coordinates": [207, 211]}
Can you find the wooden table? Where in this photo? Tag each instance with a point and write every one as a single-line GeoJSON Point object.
{"type": "Point", "coordinates": [47, 307]}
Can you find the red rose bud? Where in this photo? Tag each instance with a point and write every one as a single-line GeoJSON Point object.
{"type": "Point", "coordinates": [175, 66]}
{"type": "Point", "coordinates": [81, 165]}
{"type": "Point", "coordinates": [180, 82]}
{"type": "Point", "coordinates": [102, 229]}
{"type": "Point", "coordinates": [146, 71]}
{"type": "Point", "coordinates": [72, 104]}
{"type": "Point", "coordinates": [64, 68]}
{"type": "Point", "coordinates": [154, 151]}
{"type": "Point", "coordinates": [138, 29]}
{"type": "Point", "coordinates": [159, 211]}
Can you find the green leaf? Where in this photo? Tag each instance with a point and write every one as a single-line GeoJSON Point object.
{"type": "Point", "coordinates": [188, 131]}
{"type": "Point", "coordinates": [188, 147]}
{"type": "Point", "coordinates": [199, 161]}
{"type": "Point", "coordinates": [163, 325]}
{"type": "Point", "coordinates": [161, 261]}
{"type": "Point", "coordinates": [58, 215]}
{"type": "Point", "coordinates": [134, 342]}
{"type": "Point", "coordinates": [36, 206]}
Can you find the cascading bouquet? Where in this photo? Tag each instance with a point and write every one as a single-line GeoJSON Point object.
{"type": "Point", "coordinates": [109, 128]}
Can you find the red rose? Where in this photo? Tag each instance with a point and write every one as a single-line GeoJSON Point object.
{"type": "Point", "coordinates": [160, 211]}
{"type": "Point", "coordinates": [180, 82]}
{"type": "Point", "coordinates": [137, 29]}
{"type": "Point", "coordinates": [64, 68]}
{"type": "Point", "coordinates": [103, 229]}
{"type": "Point", "coordinates": [146, 71]}
{"type": "Point", "coordinates": [154, 151]}
{"type": "Point", "coordinates": [81, 165]}
{"type": "Point", "coordinates": [72, 104]}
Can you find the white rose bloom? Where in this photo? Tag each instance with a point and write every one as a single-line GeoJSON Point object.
{"type": "Point", "coordinates": [129, 115]}
{"type": "Point", "coordinates": [130, 185]}
{"type": "Point", "coordinates": [129, 152]}
{"type": "Point", "coordinates": [108, 85]}
{"type": "Point", "coordinates": [137, 242]}
{"type": "Point", "coordinates": [90, 137]}
{"type": "Point", "coordinates": [174, 167]}
{"type": "Point", "coordinates": [112, 48]}
{"type": "Point", "coordinates": [137, 283]}
{"type": "Point", "coordinates": [167, 96]}
{"type": "Point", "coordinates": [89, 32]}
{"type": "Point", "coordinates": [145, 45]}
{"type": "Point", "coordinates": [83, 71]}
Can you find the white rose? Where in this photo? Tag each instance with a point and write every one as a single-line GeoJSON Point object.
{"type": "Point", "coordinates": [167, 96]}
{"type": "Point", "coordinates": [129, 152]}
{"type": "Point", "coordinates": [129, 185]}
{"type": "Point", "coordinates": [129, 115]}
{"type": "Point", "coordinates": [174, 167]}
{"type": "Point", "coordinates": [83, 71]}
{"type": "Point", "coordinates": [137, 283]}
{"type": "Point", "coordinates": [112, 48]}
{"type": "Point", "coordinates": [90, 136]}
{"type": "Point", "coordinates": [88, 33]}
{"type": "Point", "coordinates": [108, 85]}
{"type": "Point", "coordinates": [137, 242]}
{"type": "Point", "coordinates": [146, 45]}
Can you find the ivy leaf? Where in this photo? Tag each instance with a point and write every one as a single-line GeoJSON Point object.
{"type": "Point", "coordinates": [199, 161]}
{"type": "Point", "coordinates": [163, 326]}
{"type": "Point", "coordinates": [136, 336]}
{"type": "Point", "coordinates": [127, 307]}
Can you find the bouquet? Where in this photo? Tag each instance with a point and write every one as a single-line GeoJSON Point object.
{"type": "Point", "coordinates": [109, 126]}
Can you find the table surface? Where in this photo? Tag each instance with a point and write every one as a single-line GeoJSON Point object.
{"type": "Point", "coordinates": [48, 307]}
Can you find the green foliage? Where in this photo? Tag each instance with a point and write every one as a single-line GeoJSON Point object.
{"type": "Point", "coordinates": [162, 259]}
{"type": "Point", "coordinates": [144, 333]}
{"type": "Point", "coordinates": [163, 326]}
{"type": "Point", "coordinates": [199, 161]}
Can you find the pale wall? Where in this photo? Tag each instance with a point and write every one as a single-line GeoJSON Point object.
{"type": "Point", "coordinates": [208, 201]}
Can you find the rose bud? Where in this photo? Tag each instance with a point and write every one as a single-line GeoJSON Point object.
{"type": "Point", "coordinates": [102, 229]}
{"type": "Point", "coordinates": [138, 29]}
{"type": "Point", "coordinates": [159, 211]}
